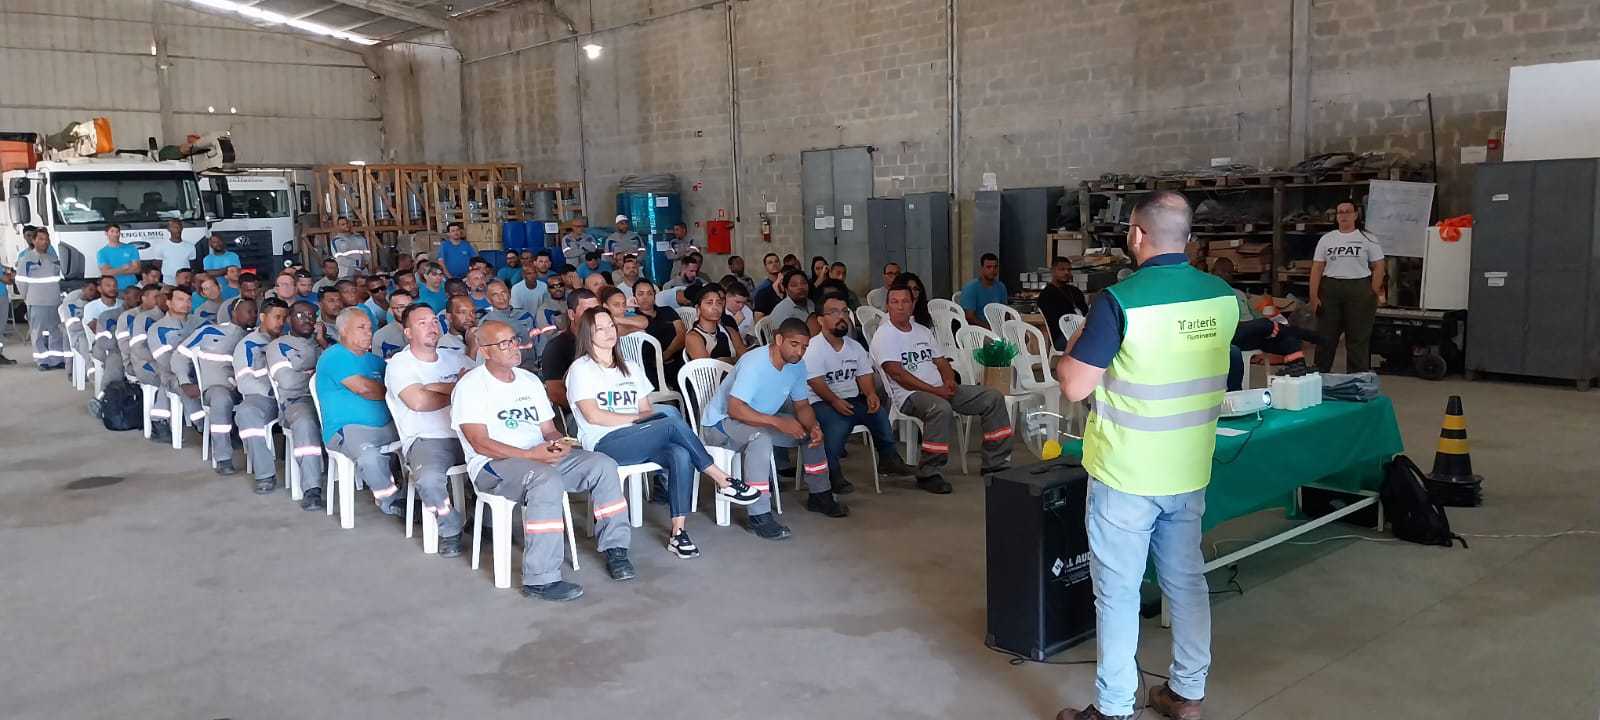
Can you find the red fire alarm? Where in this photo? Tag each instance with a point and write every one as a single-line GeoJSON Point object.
{"type": "Point", "coordinates": [719, 236]}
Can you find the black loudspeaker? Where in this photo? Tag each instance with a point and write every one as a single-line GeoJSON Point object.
{"type": "Point", "coordinates": [1041, 600]}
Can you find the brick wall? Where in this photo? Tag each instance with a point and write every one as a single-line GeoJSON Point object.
{"type": "Point", "coordinates": [1051, 91]}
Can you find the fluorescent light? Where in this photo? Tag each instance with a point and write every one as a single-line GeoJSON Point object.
{"type": "Point", "coordinates": [233, 111]}
{"type": "Point", "coordinates": [593, 51]}
{"type": "Point", "coordinates": [211, 108]}
{"type": "Point", "coordinates": [272, 18]}
{"type": "Point", "coordinates": [358, 162]}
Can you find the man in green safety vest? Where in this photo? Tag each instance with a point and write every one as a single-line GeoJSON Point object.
{"type": "Point", "coordinates": [1154, 353]}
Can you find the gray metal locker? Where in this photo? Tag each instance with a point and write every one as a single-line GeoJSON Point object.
{"type": "Point", "coordinates": [1026, 217]}
{"type": "Point", "coordinates": [985, 226]}
{"type": "Point", "coordinates": [886, 237]}
{"type": "Point", "coordinates": [1535, 286]}
{"type": "Point", "coordinates": [929, 251]}
{"type": "Point", "coordinates": [834, 188]}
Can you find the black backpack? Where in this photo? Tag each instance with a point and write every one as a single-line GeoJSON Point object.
{"type": "Point", "coordinates": [121, 407]}
{"type": "Point", "coordinates": [1414, 515]}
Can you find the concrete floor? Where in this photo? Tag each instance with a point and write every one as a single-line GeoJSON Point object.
{"type": "Point", "coordinates": [171, 593]}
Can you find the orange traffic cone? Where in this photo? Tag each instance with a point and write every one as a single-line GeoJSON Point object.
{"type": "Point", "coordinates": [1452, 482]}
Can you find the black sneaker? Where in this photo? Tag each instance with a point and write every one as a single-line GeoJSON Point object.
{"type": "Point", "coordinates": [824, 503]}
{"type": "Point", "coordinates": [618, 564]}
{"type": "Point", "coordinates": [396, 507]}
{"type": "Point", "coordinates": [558, 591]}
{"type": "Point", "coordinates": [6, 361]}
{"type": "Point", "coordinates": [841, 486]}
{"type": "Point", "coordinates": [739, 492]}
{"type": "Point", "coordinates": [312, 500]}
{"type": "Point", "coordinates": [1294, 368]}
{"type": "Point", "coordinates": [890, 463]}
{"type": "Point", "coordinates": [766, 527]}
{"type": "Point", "coordinates": [265, 486]}
{"type": "Point", "coordinates": [225, 467]}
{"type": "Point", "coordinates": [450, 546]}
{"type": "Point", "coordinates": [935, 484]}
{"type": "Point", "coordinates": [680, 544]}
{"type": "Point", "coordinates": [160, 432]}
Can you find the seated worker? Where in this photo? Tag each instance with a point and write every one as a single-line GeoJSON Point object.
{"type": "Point", "coordinates": [206, 357]}
{"type": "Point", "coordinates": [164, 338]}
{"type": "Point", "coordinates": [592, 263]}
{"type": "Point", "coordinates": [984, 289]}
{"type": "Point", "coordinates": [477, 281]}
{"type": "Point", "coordinates": [628, 277]}
{"type": "Point", "coordinates": [135, 321]}
{"type": "Point", "coordinates": [303, 287]}
{"type": "Point", "coordinates": [745, 416]}
{"type": "Point", "coordinates": [70, 315]}
{"type": "Point", "coordinates": [736, 303]}
{"type": "Point", "coordinates": [1058, 298]}
{"type": "Point", "coordinates": [377, 298]}
{"type": "Point", "coordinates": [563, 349]}
{"type": "Point", "coordinates": [257, 406]}
{"type": "Point", "coordinates": [512, 272]}
{"type": "Point", "coordinates": [682, 289]}
{"type": "Point", "coordinates": [611, 404]}
{"type": "Point", "coordinates": [843, 395]}
{"type": "Point", "coordinates": [522, 321]}
{"type": "Point", "coordinates": [355, 420]}
{"type": "Point", "coordinates": [616, 303]}
{"type": "Point", "coordinates": [708, 337]}
{"type": "Point", "coordinates": [210, 292]}
{"type": "Point", "coordinates": [667, 328]}
{"type": "Point", "coordinates": [350, 296]}
{"type": "Point", "coordinates": [291, 358]}
{"type": "Point", "coordinates": [329, 305]}
{"type": "Point", "coordinates": [110, 339]}
{"type": "Point", "coordinates": [796, 302]}
{"type": "Point", "coordinates": [330, 275]}
{"type": "Point", "coordinates": [596, 282]}
{"type": "Point", "coordinates": [418, 382]}
{"type": "Point", "coordinates": [391, 338]}
{"type": "Point", "coordinates": [1262, 327]}
{"type": "Point", "coordinates": [431, 292]}
{"type": "Point", "coordinates": [463, 319]}
{"type": "Point", "coordinates": [879, 297]}
{"type": "Point", "coordinates": [529, 292]}
{"type": "Point", "coordinates": [507, 428]}
{"type": "Point", "coordinates": [922, 385]}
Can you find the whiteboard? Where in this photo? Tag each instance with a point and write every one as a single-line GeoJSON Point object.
{"type": "Point", "coordinates": [1553, 111]}
{"type": "Point", "coordinates": [1397, 215]}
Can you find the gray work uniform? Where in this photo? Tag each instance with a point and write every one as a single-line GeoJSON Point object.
{"type": "Point", "coordinates": [165, 337]}
{"type": "Point", "coordinates": [938, 418]}
{"type": "Point", "coordinates": [538, 487]}
{"type": "Point", "coordinates": [140, 364]}
{"type": "Point", "coordinates": [574, 247]}
{"type": "Point", "coordinates": [428, 460]}
{"type": "Point", "coordinates": [364, 444]}
{"type": "Point", "coordinates": [755, 447]}
{"type": "Point", "coordinates": [350, 251]}
{"type": "Point", "coordinates": [290, 362]}
{"type": "Point", "coordinates": [330, 328]}
{"type": "Point", "coordinates": [211, 311]}
{"type": "Point", "coordinates": [256, 406]}
{"type": "Point", "coordinates": [619, 244]}
{"type": "Point", "coordinates": [71, 314]}
{"type": "Point", "coordinates": [124, 330]}
{"type": "Point", "coordinates": [38, 276]}
{"type": "Point", "coordinates": [389, 340]}
{"type": "Point", "coordinates": [106, 349]}
{"type": "Point", "coordinates": [206, 358]}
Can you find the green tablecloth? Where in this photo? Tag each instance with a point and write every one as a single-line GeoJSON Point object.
{"type": "Point", "coordinates": [1337, 444]}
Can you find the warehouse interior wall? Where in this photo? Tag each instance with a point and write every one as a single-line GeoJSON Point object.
{"type": "Point", "coordinates": [163, 70]}
{"type": "Point", "coordinates": [420, 87]}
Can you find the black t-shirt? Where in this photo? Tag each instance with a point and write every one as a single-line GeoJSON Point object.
{"type": "Point", "coordinates": [765, 300]}
{"type": "Point", "coordinates": [1055, 302]}
{"type": "Point", "coordinates": [663, 329]}
{"type": "Point", "coordinates": [558, 357]}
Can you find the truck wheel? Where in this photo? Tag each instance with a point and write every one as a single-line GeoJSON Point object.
{"type": "Point", "coordinates": [1430, 366]}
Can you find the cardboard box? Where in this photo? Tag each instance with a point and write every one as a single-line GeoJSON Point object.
{"type": "Point", "coordinates": [484, 236]}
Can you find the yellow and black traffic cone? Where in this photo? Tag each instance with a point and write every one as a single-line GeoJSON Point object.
{"type": "Point", "coordinates": [1452, 482]}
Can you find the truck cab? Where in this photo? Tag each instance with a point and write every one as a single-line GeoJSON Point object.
{"type": "Point", "coordinates": [253, 210]}
{"type": "Point", "coordinates": [75, 199]}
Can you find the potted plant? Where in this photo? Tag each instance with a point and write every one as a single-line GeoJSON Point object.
{"type": "Point", "coordinates": [995, 357]}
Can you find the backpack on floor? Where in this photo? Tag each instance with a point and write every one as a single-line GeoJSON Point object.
{"type": "Point", "coordinates": [1413, 515]}
{"type": "Point", "coordinates": [121, 407]}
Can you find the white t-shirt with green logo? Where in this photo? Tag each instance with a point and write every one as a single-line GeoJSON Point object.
{"type": "Point", "coordinates": [915, 350]}
{"type": "Point", "coordinates": [609, 388]}
{"type": "Point", "coordinates": [512, 411]}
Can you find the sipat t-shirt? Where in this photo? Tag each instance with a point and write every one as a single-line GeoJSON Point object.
{"type": "Point", "coordinates": [915, 350]}
{"type": "Point", "coordinates": [610, 389]}
{"type": "Point", "coordinates": [837, 368]}
{"type": "Point", "coordinates": [405, 370]}
{"type": "Point", "coordinates": [511, 411]}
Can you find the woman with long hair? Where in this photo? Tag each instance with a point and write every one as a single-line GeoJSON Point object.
{"type": "Point", "coordinates": [709, 337]}
{"type": "Point", "coordinates": [666, 327]}
{"type": "Point", "coordinates": [610, 400]}
{"type": "Point", "coordinates": [919, 293]}
{"type": "Point", "coordinates": [1347, 280]}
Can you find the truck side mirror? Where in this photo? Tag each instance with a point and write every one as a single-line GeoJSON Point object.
{"type": "Point", "coordinates": [305, 201]}
{"type": "Point", "coordinates": [21, 214]}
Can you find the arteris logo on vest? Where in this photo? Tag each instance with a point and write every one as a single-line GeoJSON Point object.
{"type": "Point", "coordinates": [1197, 328]}
{"type": "Point", "coordinates": [514, 417]}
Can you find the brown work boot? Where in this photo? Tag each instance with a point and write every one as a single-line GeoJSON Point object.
{"type": "Point", "coordinates": [1088, 713]}
{"type": "Point", "coordinates": [1163, 700]}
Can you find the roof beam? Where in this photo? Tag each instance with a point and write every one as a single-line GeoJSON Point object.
{"type": "Point", "coordinates": [315, 11]}
{"type": "Point", "coordinates": [398, 11]}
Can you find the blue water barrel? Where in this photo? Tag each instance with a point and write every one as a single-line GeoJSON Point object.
{"type": "Point", "coordinates": [652, 215]}
{"type": "Point", "coordinates": [514, 235]}
{"type": "Point", "coordinates": [496, 258]}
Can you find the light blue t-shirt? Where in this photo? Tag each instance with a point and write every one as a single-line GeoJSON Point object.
{"type": "Point", "coordinates": [457, 257]}
{"type": "Point", "coordinates": [341, 406]}
{"type": "Point", "coordinates": [761, 386]}
{"type": "Point", "coordinates": [585, 271]}
{"type": "Point", "coordinates": [117, 257]}
{"type": "Point", "coordinates": [974, 296]}
{"type": "Point", "coordinates": [214, 261]}
{"type": "Point", "coordinates": [435, 299]}
{"type": "Point", "coordinates": [510, 275]}
{"type": "Point", "coordinates": [229, 292]}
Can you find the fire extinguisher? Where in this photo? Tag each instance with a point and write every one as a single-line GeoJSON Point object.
{"type": "Point", "coordinates": [766, 228]}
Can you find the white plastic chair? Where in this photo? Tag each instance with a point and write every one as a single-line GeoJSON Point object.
{"type": "Point", "coordinates": [763, 330]}
{"type": "Point", "coordinates": [869, 319]}
{"type": "Point", "coordinates": [500, 528]}
{"type": "Point", "coordinates": [95, 367]}
{"type": "Point", "coordinates": [341, 471]}
{"type": "Point", "coordinates": [205, 437]}
{"type": "Point", "coordinates": [147, 394]}
{"type": "Point", "coordinates": [949, 306]}
{"type": "Point", "coordinates": [632, 347]}
{"type": "Point", "coordinates": [1031, 373]}
{"type": "Point", "coordinates": [79, 379]}
{"type": "Point", "coordinates": [688, 315]}
{"type": "Point", "coordinates": [945, 326]}
{"type": "Point", "coordinates": [997, 314]}
{"type": "Point", "coordinates": [1246, 356]}
{"type": "Point", "coordinates": [456, 476]}
{"type": "Point", "coordinates": [700, 379]}
{"type": "Point", "coordinates": [291, 469]}
{"type": "Point", "coordinates": [1069, 324]}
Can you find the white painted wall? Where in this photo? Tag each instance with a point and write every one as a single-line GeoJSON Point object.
{"type": "Point", "coordinates": [297, 101]}
{"type": "Point", "coordinates": [1553, 111]}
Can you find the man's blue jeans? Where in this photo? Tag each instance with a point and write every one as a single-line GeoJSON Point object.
{"type": "Point", "coordinates": [836, 429]}
{"type": "Point", "coordinates": [1124, 530]}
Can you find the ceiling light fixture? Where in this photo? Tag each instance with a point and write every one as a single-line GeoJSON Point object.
{"type": "Point", "coordinates": [272, 18]}
{"type": "Point", "coordinates": [593, 51]}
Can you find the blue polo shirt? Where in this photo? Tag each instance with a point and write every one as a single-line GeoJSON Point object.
{"type": "Point", "coordinates": [510, 275]}
{"type": "Point", "coordinates": [974, 296]}
{"type": "Point", "coordinates": [229, 292]}
{"type": "Point", "coordinates": [456, 257]}
{"type": "Point", "coordinates": [117, 257]}
{"type": "Point", "coordinates": [220, 261]}
{"type": "Point", "coordinates": [435, 299]}
{"type": "Point", "coordinates": [341, 406]}
{"type": "Point", "coordinates": [760, 385]}
{"type": "Point", "coordinates": [1103, 329]}
{"type": "Point", "coordinates": [585, 271]}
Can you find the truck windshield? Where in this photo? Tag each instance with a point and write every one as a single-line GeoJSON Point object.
{"type": "Point", "coordinates": [258, 203]}
{"type": "Point", "coordinates": [125, 197]}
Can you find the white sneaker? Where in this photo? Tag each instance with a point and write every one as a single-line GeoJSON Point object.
{"type": "Point", "coordinates": [739, 493]}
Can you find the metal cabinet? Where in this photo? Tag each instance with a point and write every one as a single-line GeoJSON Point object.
{"type": "Point", "coordinates": [886, 237]}
{"type": "Point", "coordinates": [834, 188]}
{"type": "Point", "coordinates": [929, 253]}
{"type": "Point", "coordinates": [1026, 217]}
{"type": "Point", "coordinates": [1535, 283]}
